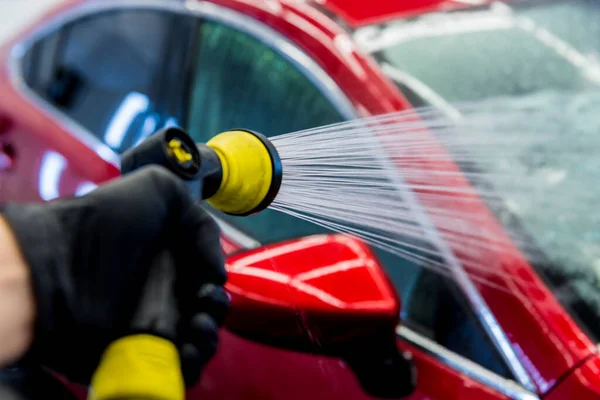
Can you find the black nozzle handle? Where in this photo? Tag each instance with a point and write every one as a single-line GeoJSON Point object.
{"type": "Point", "coordinates": [171, 148]}
{"type": "Point", "coordinates": [211, 171]}
{"type": "Point", "coordinates": [175, 150]}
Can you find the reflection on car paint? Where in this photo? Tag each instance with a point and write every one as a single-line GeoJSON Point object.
{"type": "Point", "coordinates": [51, 169]}
{"type": "Point", "coordinates": [85, 188]}
{"type": "Point", "coordinates": [132, 105]}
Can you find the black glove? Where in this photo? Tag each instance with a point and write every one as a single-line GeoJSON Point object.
{"type": "Point", "coordinates": [93, 257]}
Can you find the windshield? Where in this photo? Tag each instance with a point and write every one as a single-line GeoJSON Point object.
{"type": "Point", "coordinates": [536, 52]}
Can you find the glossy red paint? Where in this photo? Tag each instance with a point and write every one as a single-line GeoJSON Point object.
{"type": "Point", "coordinates": [582, 383]}
{"type": "Point", "coordinates": [261, 372]}
{"type": "Point", "coordinates": [267, 373]}
{"type": "Point", "coordinates": [318, 275]}
{"type": "Point", "coordinates": [445, 383]}
{"type": "Point", "coordinates": [355, 14]}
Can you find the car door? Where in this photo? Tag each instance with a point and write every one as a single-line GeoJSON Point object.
{"type": "Point", "coordinates": [229, 74]}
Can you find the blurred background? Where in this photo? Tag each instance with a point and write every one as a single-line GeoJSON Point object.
{"type": "Point", "coordinates": [15, 14]}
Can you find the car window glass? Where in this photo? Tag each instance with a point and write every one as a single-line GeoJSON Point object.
{"type": "Point", "coordinates": [107, 72]}
{"type": "Point", "coordinates": [38, 63]}
{"type": "Point", "coordinates": [561, 38]}
{"type": "Point", "coordinates": [240, 82]}
{"type": "Point", "coordinates": [437, 308]}
{"type": "Point", "coordinates": [545, 56]}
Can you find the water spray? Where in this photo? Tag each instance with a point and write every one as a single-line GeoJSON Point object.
{"type": "Point", "coordinates": [431, 190]}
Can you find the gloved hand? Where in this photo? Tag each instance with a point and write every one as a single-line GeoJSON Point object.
{"type": "Point", "coordinates": [93, 258]}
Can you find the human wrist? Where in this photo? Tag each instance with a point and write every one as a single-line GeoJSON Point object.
{"type": "Point", "coordinates": [43, 243]}
{"type": "Point", "coordinates": [18, 309]}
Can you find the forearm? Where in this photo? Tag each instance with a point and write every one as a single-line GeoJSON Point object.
{"type": "Point", "coordinates": [17, 307]}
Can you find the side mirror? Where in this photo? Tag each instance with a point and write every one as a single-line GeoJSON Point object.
{"type": "Point", "coordinates": [324, 295]}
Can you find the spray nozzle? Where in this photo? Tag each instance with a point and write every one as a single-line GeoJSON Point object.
{"type": "Point", "coordinates": [239, 170]}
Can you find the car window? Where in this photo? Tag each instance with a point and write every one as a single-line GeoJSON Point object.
{"type": "Point", "coordinates": [437, 308]}
{"type": "Point", "coordinates": [240, 82]}
{"type": "Point", "coordinates": [511, 51]}
{"type": "Point", "coordinates": [112, 72]}
{"type": "Point", "coordinates": [544, 55]}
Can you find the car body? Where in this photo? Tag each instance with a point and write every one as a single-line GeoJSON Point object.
{"type": "Point", "coordinates": [320, 64]}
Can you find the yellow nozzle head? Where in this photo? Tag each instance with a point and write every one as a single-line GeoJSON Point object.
{"type": "Point", "coordinates": [251, 170]}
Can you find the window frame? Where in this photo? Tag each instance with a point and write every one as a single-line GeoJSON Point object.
{"type": "Point", "coordinates": [64, 34]}
{"type": "Point", "coordinates": [339, 100]}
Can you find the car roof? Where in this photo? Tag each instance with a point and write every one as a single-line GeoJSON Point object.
{"type": "Point", "coordinates": [356, 13]}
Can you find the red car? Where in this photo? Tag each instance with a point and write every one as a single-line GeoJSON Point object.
{"type": "Point", "coordinates": [94, 78]}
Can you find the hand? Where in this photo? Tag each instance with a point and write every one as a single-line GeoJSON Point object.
{"type": "Point", "coordinates": [90, 260]}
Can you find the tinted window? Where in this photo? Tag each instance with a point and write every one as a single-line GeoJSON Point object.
{"type": "Point", "coordinates": [438, 309]}
{"type": "Point", "coordinates": [240, 82]}
{"type": "Point", "coordinates": [113, 72]}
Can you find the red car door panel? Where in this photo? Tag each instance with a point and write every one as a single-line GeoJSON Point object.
{"type": "Point", "coordinates": [258, 372]}
{"type": "Point", "coordinates": [582, 383]}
